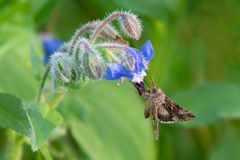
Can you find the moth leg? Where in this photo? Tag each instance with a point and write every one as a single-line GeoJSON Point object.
{"type": "Point", "coordinates": [155, 120]}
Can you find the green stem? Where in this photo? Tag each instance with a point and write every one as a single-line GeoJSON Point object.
{"type": "Point", "coordinates": [55, 100]}
{"type": "Point", "coordinates": [45, 152]}
{"type": "Point", "coordinates": [43, 82]}
{"type": "Point", "coordinates": [78, 34]}
{"type": "Point", "coordinates": [57, 97]}
{"type": "Point", "coordinates": [15, 146]}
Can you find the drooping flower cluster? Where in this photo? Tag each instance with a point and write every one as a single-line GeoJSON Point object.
{"type": "Point", "coordinates": [97, 51]}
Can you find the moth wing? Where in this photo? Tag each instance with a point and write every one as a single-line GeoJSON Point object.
{"type": "Point", "coordinates": [169, 111]}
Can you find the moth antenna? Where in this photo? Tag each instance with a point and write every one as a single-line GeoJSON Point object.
{"type": "Point", "coordinates": [146, 79]}
{"type": "Point", "coordinates": [149, 81]}
{"type": "Point", "coordinates": [154, 84]}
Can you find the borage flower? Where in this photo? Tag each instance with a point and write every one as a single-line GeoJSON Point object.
{"type": "Point", "coordinates": [98, 51]}
{"type": "Point", "coordinates": [140, 62]}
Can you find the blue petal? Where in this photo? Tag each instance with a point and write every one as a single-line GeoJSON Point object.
{"type": "Point", "coordinates": [138, 57]}
{"type": "Point", "coordinates": [50, 45]}
{"type": "Point", "coordinates": [147, 50]}
{"type": "Point", "coordinates": [141, 59]}
{"type": "Point", "coordinates": [116, 71]}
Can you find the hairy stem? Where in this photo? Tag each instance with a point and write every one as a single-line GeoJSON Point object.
{"type": "Point", "coordinates": [113, 46]}
{"type": "Point", "coordinates": [104, 23]}
{"type": "Point", "coordinates": [78, 34]}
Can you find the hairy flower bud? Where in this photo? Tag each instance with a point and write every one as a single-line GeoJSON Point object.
{"type": "Point", "coordinates": [61, 67]}
{"type": "Point", "coordinates": [93, 64]}
{"type": "Point", "coordinates": [117, 53]}
{"type": "Point", "coordinates": [79, 48]}
{"type": "Point", "coordinates": [75, 74]}
{"type": "Point", "coordinates": [129, 62]}
{"type": "Point", "coordinates": [131, 25]}
{"type": "Point", "coordinates": [65, 47]}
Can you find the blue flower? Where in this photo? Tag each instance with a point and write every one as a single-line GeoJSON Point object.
{"type": "Point", "coordinates": [116, 71]}
{"type": "Point", "coordinates": [50, 45]}
{"type": "Point", "coordinates": [141, 61]}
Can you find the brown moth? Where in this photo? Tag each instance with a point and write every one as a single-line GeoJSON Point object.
{"type": "Point", "coordinates": [161, 107]}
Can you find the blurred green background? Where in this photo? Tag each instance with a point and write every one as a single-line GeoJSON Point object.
{"type": "Point", "coordinates": [196, 62]}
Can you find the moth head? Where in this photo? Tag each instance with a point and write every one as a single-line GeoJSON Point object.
{"type": "Point", "coordinates": [147, 93]}
{"type": "Point", "coordinates": [154, 90]}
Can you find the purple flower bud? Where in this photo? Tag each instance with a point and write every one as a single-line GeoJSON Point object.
{"type": "Point", "coordinates": [128, 61]}
{"type": "Point", "coordinates": [131, 25]}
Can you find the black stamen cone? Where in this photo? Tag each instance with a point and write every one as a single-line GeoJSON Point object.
{"type": "Point", "coordinates": [140, 87]}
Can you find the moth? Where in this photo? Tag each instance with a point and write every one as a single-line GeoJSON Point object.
{"type": "Point", "coordinates": [161, 107]}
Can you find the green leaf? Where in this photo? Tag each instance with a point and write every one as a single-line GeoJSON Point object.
{"type": "Point", "coordinates": [36, 62]}
{"type": "Point", "coordinates": [107, 122]}
{"type": "Point", "coordinates": [15, 63]}
{"type": "Point", "coordinates": [31, 122]}
{"type": "Point", "coordinates": [210, 102]}
{"type": "Point", "coordinates": [42, 9]}
{"type": "Point", "coordinates": [42, 125]}
{"type": "Point", "coordinates": [13, 114]}
{"type": "Point", "coordinates": [18, 38]}
{"type": "Point", "coordinates": [227, 148]}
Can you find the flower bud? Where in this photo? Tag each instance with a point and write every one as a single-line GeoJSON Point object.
{"type": "Point", "coordinates": [93, 64]}
{"type": "Point", "coordinates": [129, 62]}
{"type": "Point", "coordinates": [75, 74]}
{"type": "Point", "coordinates": [131, 25]}
{"type": "Point", "coordinates": [61, 67]}
{"type": "Point", "coordinates": [80, 47]}
{"type": "Point", "coordinates": [117, 53]}
{"type": "Point", "coordinates": [65, 47]}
